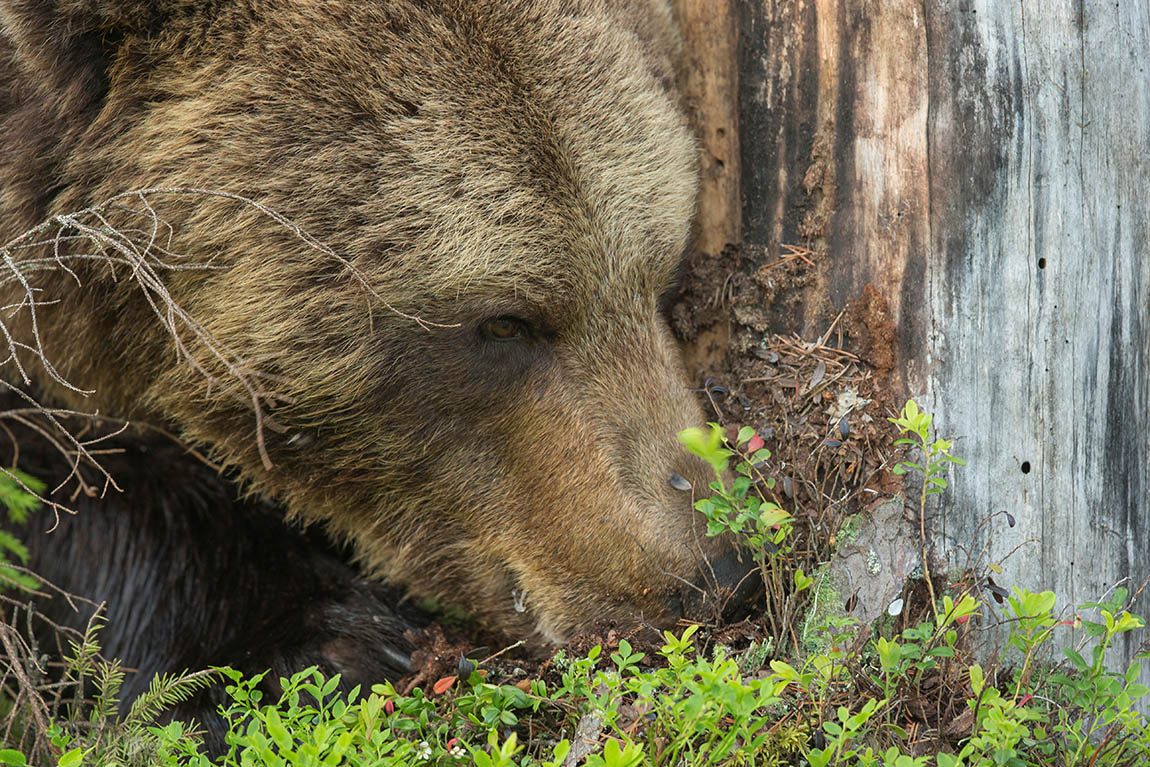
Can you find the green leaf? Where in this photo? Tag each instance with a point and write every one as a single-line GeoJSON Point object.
{"type": "Point", "coordinates": [707, 444]}
{"type": "Point", "coordinates": [740, 487]}
{"type": "Point", "coordinates": [977, 680]}
{"type": "Point", "coordinates": [13, 757]}
{"type": "Point", "coordinates": [72, 758]}
{"type": "Point", "coordinates": [821, 757]}
{"type": "Point", "coordinates": [897, 731]}
{"type": "Point", "coordinates": [15, 495]}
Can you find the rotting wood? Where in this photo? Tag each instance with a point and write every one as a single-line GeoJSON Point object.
{"type": "Point", "coordinates": [709, 80]}
{"type": "Point", "coordinates": [833, 104]}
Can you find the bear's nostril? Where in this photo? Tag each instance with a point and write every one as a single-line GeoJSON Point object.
{"type": "Point", "coordinates": [730, 579]}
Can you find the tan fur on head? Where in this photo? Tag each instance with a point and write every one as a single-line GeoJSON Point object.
{"type": "Point", "coordinates": [472, 160]}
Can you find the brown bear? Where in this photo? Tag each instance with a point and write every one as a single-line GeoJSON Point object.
{"type": "Point", "coordinates": [452, 360]}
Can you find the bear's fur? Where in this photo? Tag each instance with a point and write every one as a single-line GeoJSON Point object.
{"type": "Point", "coordinates": [474, 388]}
{"type": "Point", "coordinates": [193, 575]}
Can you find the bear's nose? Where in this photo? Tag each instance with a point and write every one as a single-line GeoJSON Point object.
{"type": "Point", "coordinates": [727, 583]}
{"type": "Point", "coordinates": [733, 576]}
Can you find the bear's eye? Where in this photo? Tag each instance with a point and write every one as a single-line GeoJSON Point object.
{"type": "Point", "coordinates": [504, 328]}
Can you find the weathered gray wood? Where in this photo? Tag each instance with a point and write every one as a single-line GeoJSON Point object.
{"type": "Point", "coordinates": [983, 165]}
{"type": "Point", "coordinates": [1040, 284]}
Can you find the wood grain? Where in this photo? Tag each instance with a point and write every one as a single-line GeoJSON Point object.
{"type": "Point", "coordinates": [708, 81]}
{"type": "Point", "coordinates": [983, 166]}
{"type": "Point", "coordinates": [1040, 284]}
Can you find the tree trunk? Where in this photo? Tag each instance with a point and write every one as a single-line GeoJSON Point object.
{"type": "Point", "coordinates": [983, 166]}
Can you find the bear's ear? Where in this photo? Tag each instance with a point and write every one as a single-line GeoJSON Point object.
{"type": "Point", "coordinates": [63, 47]}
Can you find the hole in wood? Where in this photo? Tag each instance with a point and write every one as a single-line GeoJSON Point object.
{"type": "Point", "coordinates": [1042, 263]}
{"type": "Point", "coordinates": [1026, 467]}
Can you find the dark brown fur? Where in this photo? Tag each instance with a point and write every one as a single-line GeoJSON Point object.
{"type": "Point", "coordinates": [469, 160]}
{"type": "Point", "coordinates": [192, 575]}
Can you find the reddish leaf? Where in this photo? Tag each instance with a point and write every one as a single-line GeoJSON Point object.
{"type": "Point", "coordinates": [444, 684]}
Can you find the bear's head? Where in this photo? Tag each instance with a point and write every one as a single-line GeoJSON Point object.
{"type": "Point", "coordinates": [470, 380]}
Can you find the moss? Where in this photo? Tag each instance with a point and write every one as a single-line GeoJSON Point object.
{"type": "Point", "coordinates": [826, 608]}
{"type": "Point", "coordinates": [848, 532]}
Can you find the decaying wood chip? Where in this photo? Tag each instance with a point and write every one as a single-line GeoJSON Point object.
{"type": "Point", "coordinates": [586, 739]}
